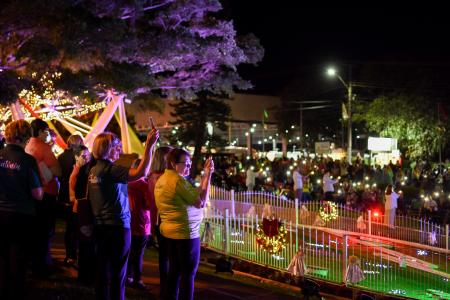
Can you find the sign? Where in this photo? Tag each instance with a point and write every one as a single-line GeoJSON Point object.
{"type": "Point", "coordinates": [381, 144]}
{"type": "Point", "coordinates": [322, 148]}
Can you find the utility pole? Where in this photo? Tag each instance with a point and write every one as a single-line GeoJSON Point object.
{"type": "Point", "coordinates": [229, 133]}
{"type": "Point", "coordinates": [263, 134]}
{"type": "Point", "coordinates": [349, 86]}
{"type": "Point", "coordinates": [349, 129]}
{"type": "Point", "coordinates": [440, 137]}
{"type": "Point", "coordinates": [301, 126]}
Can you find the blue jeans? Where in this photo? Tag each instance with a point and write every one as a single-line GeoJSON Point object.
{"type": "Point", "coordinates": [14, 254]}
{"type": "Point", "coordinates": [113, 249]}
{"type": "Point", "coordinates": [136, 259]}
{"type": "Point", "coordinates": [184, 257]}
{"type": "Point", "coordinates": [163, 262]}
{"type": "Point", "coordinates": [42, 235]}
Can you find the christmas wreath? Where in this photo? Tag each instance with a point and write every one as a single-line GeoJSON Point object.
{"type": "Point", "coordinates": [271, 235]}
{"type": "Point", "coordinates": [328, 211]}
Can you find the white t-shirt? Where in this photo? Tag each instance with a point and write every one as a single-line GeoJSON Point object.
{"type": "Point", "coordinates": [250, 178]}
{"type": "Point", "coordinates": [328, 183]}
{"type": "Point", "coordinates": [298, 182]}
{"type": "Point", "coordinates": [391, 201]}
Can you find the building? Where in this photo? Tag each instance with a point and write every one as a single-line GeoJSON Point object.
{"type": "Point", "coordinates": [246, 126]}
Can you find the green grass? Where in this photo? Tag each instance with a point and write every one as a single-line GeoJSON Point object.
{"type": "Point", "coordinates": [328, 264]}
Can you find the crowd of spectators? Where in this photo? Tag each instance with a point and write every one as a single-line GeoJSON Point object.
{"type": "Point", "coordinates": [111, 210]}
{"type": "Point", "coordinates": [424, 187]}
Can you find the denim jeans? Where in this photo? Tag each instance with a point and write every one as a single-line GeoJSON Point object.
{"type": "Point", "coordinates": [136, 259]}
{"type": "Point", "coordinates": [14, 254]}
{"type": "Point", "coordinates": [184, 257]}
{"type": "Point", "coordinates": [163, 260]}
{"type": "Point", "coordinates": [70, 236]}
{"type": "Point", "coordinates": [43, 232]}
{"type": "Point", "coordinates": [113, 249]}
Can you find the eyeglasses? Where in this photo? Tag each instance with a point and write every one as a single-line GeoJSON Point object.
{"type": "Point", "coordinates": [187, 162]}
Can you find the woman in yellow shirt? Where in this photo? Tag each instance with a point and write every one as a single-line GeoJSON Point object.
{"type": "Point", "coordinates": [180, 208]}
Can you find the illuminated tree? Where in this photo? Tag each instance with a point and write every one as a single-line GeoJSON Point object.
{"type": "Point", "coordinates": [143, 47]}
{"type": "Point", "coordinates": [410, 119]}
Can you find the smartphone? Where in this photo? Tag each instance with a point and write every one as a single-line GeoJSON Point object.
{"type": "Point", "coordinates": [151, 123]}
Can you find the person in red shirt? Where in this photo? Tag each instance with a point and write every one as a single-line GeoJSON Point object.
{"type": "Point", "coordinates": [45, 211]}
{"type": "Point", "coordinates": [138, 197]}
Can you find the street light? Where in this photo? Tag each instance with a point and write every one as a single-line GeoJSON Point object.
{"type": "Point", "coordinates": [333, 72]}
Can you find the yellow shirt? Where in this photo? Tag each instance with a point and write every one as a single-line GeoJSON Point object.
{"type": "Point", "coordinates": [175, 198]}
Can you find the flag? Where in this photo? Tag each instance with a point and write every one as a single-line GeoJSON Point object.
{"type": "Point", "coordinates": [344, 112]}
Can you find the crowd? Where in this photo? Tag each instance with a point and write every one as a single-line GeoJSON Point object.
{"type": "Point", "coordinates": [110, 211]}
{"type": "Point", "coordinates": [423, 188]}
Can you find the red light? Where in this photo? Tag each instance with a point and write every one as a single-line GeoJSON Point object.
{"type": "Point", "coordinates": [376, 214]}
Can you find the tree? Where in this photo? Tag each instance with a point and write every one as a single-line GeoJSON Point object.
{"type": "Point", "coordinates": [142, 47]}
{"type": "Point", "coordinates": [192, 117]}
{"type": "Point", "coordinates": [410, 119]}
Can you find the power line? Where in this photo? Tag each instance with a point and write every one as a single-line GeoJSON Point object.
{"type": "Point", "coordinates": [312, 101]}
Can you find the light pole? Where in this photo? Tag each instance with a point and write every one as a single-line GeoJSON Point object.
{"type": "Point", "coordinates": [332, 72]}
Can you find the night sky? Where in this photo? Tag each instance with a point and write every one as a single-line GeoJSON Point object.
{"type": "Point", "coordinates": [301, 42]}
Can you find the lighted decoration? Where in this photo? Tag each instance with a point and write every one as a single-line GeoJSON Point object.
{"type": "Point", "coordinates": [402, 262]}
{"type": "Point", "coordinates": [304, 213]}
{"type": "Point", "coordinates": [398, 292]}
{"type": "Point", "coordinates": [318, 221]}
{"type": "Point", "coordinates": [251, 213]}
{"type": "Point", "coordinates": [432, 240]}
{"type": "Point", "coordinates": [297, 266]}
{"type": "Point", "coordinates": [208, 235]}
{"type": "Point", "coordinates": [354, 273]}
{"type": "Point", "coordinates": [360, 224]}
{"type": "Point", "coordinates": [50, 103]}
{"type": "Point", "coordinates": [271, 235]}
{"type": "Point", "coordinates": [328, 211]}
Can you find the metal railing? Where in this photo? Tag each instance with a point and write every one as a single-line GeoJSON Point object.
{"type": "Point", "coordinates": [409, 229]}
{"type": "Point", "coordinates": [389, 268]}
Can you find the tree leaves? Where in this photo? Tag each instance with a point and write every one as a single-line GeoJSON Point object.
{"type": "Point", "coordinates": [171, 48]}
{"type": "Point", "coordinates": [410, 119]}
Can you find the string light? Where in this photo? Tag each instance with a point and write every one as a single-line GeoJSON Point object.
{"type": "Point", "coordinates": [274, 244]}
{"type": "Point", "coordinates": [51, 103]}
{"type": "Point", "coordinates": [328, 211]}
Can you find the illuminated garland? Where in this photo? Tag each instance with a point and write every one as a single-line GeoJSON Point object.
{"type": "Point", "coordinates": [328, 211]}
{"type": "Point", "coordinates": [51, 103]}
{"type": "Point", "coordinates": [272, 243]}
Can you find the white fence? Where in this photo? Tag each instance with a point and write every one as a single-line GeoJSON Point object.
{"type": "Point", "coordinates": [396, 269]}
{"type": "Point", "coordinates": [406, 228]}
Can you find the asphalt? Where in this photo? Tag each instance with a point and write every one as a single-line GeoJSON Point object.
{"type": "Point", "coordinates": [208, 284]}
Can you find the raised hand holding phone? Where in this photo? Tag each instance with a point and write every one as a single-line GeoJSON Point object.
{"type": "Point", "coordinates": [209, 166]}
{"type": "Point", "coordinates": [153, 134]}
{"type": "Point", "coordinates": [151, 123]}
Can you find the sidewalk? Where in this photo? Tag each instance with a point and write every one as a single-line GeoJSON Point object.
{"type": "Point", "coordinates": [208, 285]}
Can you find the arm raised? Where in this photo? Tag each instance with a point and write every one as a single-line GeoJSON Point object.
{"type": "Point", "coordinates": [144, 166]}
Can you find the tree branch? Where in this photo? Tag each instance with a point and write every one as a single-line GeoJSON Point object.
{"type": "Point", "coordinates": [22, 64]}
{"type": "Point", "coordinates": [128, 14]}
